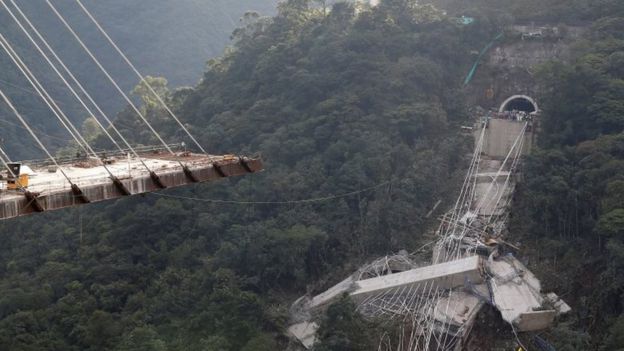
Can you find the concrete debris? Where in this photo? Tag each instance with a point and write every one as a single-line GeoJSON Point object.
{"type": "Point", "coordinates": [387, 265]}
{"type": "Point", "coordinates": [534, 321]}
{"type": "Point", "coordinates": [470, 266]}
{"type": "Point", "coordinates": [304, 332]}
{"type": "Point", "coordinates": [307, 307]}
{"type": "Point", "coordinates": [441, 276]}
{"type": "Point", "coordinates": [332, 294]}
{"type": "Point", "coordinates": [557, 303]}
{"type": "Point", "coordinates": [458, 309]}
{"type": "Point", "coordinates": [516, 293]}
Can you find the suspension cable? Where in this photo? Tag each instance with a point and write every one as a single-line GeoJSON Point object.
{"type": "Point", "coordinates": [78, 84]}
{"type": "Point", "coordinates": [498, 173]}
{"type": "Point", "coordinates": [110, 78]}
{"type": "Point", "coordinates": [4, 154]}
{"type": "Point", "coordinates": [141, 77]}
{"type": "Point", "coordinates": [184, 167]}
{"type": "Point", "coordinates": [285, 202]}
{"type": "Point", "coordinates": [34, 82]}
{"type": "Point", "coordinates": [32, 133]}
{"type": "Point", "coordinates": [43, 54]}
{"type": "Point", "coordinates": [95, 155]}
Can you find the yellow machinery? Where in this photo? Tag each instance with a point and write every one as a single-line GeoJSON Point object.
{"type": "Point", "coordinates": [15, 179]}
{"type": "Point", "coordinates": [14, 184]}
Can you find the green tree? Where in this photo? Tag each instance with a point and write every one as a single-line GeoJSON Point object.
{"type": "Point", "coordinates": [142, 338]}
{"type": "Point", "coordinates": [145, 91]}
{"type": "Point", "coordinates": [90, 129]}
{"type": "Point", "coordinates": [344, 329]}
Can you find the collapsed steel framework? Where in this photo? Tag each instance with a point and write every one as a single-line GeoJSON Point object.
{"type": "Point", "coordinates": [435, 305]}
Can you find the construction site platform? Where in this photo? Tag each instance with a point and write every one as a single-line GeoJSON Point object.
{"type": "Point", "coordinates": [105, 178]}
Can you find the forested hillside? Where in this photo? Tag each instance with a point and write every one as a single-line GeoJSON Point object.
{"type": "Point", "coordinates": [570, 12]}
{"type": "Point", "coordinates": [336, 101]}
{"type": "Point", "coordinates": [571, 204]}
{"type": "Point", "coordinates": [173, 39]}
{"type": "Point", "coordinates": [357, 114]}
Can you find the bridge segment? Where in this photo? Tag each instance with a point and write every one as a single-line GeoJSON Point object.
{"type": "Point", "coordinates": [472, 263]}
{"type": "Point", "coordinates": [44, 188]}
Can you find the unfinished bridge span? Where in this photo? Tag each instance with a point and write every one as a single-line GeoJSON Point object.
{"type": "Point", "coordinates": [29, 186]}
{"type": "Point", "coordinates": [436, 302]}
{"type": "Point", "coordinates": [40, 186]}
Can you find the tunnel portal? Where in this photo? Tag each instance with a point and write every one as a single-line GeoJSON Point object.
{"type": "Point", "coordinates": [519, 103]}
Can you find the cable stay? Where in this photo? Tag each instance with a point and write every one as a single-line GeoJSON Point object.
{"type": "Point", "coordinates": [44, 186]}
{"type": "Point", "coordinates": [288, 202]}
{"type": "Point", "coordinates": [140, 76]}
{"type": "Point", "coordinates": [58, 112]}
{"type": "Point", "coordinates": [45, 96]}
{"type": "Point", "coordinates": [8, 102]}
{"type": "Point", "coordinates": [53, 66]}
{"type": "Point", "coordinates": [83, 90]}
{"type": "Point", "coordinates": [187, 171]}
{"type": "Point", "coordinates": [108, 76]}
{"type": "Point", "coordinates": [4, 155]}
{"type": "Point", "coordinates": [54, 108]}
{"type": "Point", "coordinates": [67, 71]}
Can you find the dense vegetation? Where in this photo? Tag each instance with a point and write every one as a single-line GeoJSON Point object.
{"type": "Point", "coordinates": [571, 205]}
{"type": "Point", "coordinates": [336, 101]}
{"type": "Point", "coordinates": [571, 12]}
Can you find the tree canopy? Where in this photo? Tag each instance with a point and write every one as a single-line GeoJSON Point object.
{"type": "Point", "coordinates": [571, 203]}
{"type": "Point", "coordinates": [336, 101]}
{"type": "Point", "coordinates": [357, 109]}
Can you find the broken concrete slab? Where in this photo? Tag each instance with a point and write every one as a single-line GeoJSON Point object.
{"type": "Point", "coordinates": [305, 332]}
{"type": "Point", "coordinates": [560, 306]}
{"type": "Point", "coordinates": [459, 308]}
{"type": "Point", "coordinates": [445, 275]}
{"type": "Point", "coordinates": [517, 295]}
{"type": "Point", "coordinates": [536, 320]}
{"type": "Point", "coordinates": [333, 294]}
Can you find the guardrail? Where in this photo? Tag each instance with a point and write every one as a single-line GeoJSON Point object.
{"type": "Point", "coordinates": [103, 155]}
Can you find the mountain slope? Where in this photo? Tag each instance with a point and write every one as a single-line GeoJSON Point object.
{"type": "Point", "coordinates": [360, 111]}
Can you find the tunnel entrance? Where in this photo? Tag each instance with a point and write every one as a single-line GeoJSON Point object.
{"type": "Point", "coordinates": [519, 103]}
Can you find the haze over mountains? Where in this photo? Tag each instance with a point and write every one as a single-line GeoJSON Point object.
{"type": "Point", "coordinates": [172, 39]}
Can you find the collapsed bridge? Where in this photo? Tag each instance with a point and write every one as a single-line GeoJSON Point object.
{"type": "Point", "coordinates": [436, 302]}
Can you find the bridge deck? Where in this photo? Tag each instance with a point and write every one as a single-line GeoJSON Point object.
{"type": "Point", "coordinates": [49, 190]}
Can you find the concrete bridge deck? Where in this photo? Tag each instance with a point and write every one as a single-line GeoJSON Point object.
{"type": "Point", "coordinates": [48, 189]}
